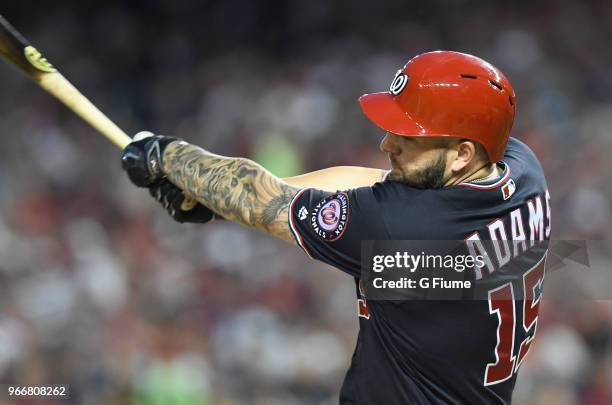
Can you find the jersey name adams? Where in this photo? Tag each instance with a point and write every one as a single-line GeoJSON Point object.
{"type": "Point", "coordinates": [510, 234]}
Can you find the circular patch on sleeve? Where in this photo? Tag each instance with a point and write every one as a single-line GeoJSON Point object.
{"type": "Point", "coordinates": [330, 217]}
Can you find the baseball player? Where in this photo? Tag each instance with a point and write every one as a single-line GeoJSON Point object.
{"type": "Point", "coordinates": [455, 175]}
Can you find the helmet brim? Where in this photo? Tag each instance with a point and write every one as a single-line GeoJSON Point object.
{"type": "Point", "coordinates": [384, 112]}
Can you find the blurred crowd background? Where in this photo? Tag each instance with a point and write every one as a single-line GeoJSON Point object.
{"type": "Point", "coordinates": [101, 290]}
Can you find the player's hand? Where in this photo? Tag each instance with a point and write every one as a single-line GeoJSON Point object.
{"type": "Point", "coordinates": [171, 198]}
{"type": "Point", "coordinates": [141, 159]}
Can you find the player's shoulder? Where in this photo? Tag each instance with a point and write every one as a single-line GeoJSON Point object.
{"type": "Point", "coordinates": [393, 192]}
{"type": "Point", "coordinates": [517, 146]}
{"type": "Point", "coordinates": [398, 200]}
{"type": "Point", "coordinates": [524, 163]}
{"type": "Point", "coordinates": [519, 151]}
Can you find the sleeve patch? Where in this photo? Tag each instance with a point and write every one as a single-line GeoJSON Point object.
{"type": "Point", "coordinates": [329, 217]}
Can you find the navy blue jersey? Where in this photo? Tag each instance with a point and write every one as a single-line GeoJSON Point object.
{"type": "Point", "coordinates": [435, 351]}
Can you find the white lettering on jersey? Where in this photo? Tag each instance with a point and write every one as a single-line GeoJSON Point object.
{"type": "Point", "coordinates": [497, 232]}
{"type": "Point", "coordinates": [518, 232]}
{"type": "Point", "coordinates": [548, 214]}
{"type": "Point", "coordinates": [476, 248]}
{"type": "Point", "coordinates": [536, 220]}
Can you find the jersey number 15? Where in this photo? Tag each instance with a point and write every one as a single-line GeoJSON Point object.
{"type": "Point", "coordinates": [502, 304]}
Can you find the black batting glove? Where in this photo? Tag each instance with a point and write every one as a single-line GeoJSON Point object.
{"type": "Point", "coordinates": [141, 159]}
{"type": "Point", "coordinates": [171, 198]}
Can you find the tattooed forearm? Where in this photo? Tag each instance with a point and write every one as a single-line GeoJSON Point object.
{"type": "Point", "coordinates": [237, 189]}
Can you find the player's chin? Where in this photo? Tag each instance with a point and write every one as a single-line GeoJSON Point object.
{"type": "Point", "coordinates": [400, 176]}
{"type": "Point", "coordinates": [421, 181]}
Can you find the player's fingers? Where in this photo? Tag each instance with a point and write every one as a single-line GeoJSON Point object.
{"type": "Point", "coordinates": [166, 192]}
{"type": "Point", "coordinates": [177, 200]}
{"type": "Point", "coordinates": [175, 211]}
{"type": "Point", "coordinates": [155, 191]}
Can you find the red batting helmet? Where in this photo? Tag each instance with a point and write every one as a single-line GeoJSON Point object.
{"type": "Point", "coordinates": [450, 94]}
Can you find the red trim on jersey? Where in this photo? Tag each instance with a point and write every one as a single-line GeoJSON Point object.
{"type": "Point", "coordinates": [490, 186]}
{"type": "Point", "coordinates": [294, 230]}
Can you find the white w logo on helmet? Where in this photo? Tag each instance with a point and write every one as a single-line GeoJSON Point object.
{"type": "Point", "coordinates": [398, 83]}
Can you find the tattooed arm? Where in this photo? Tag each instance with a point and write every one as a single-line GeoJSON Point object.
{"type": "Point", "coordinates": [238, 189]}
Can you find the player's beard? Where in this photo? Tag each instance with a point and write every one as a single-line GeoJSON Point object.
{"type": "Point", "coordinates": [429, 177]}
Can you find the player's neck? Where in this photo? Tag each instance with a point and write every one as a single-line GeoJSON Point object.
{"type": "Point", "coordinates": [486, 172]}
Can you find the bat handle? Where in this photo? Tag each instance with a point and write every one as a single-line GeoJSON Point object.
{"type": "Point", "coordinates": [62, 89]}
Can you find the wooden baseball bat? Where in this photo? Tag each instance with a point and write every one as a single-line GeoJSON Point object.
{"type": "Point", "coordinates": [17, 50]}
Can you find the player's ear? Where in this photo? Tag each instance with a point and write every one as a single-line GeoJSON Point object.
{"type": "Point", "coordinates": [465, 153]}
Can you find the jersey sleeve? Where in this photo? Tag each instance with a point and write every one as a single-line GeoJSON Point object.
{"type": "Point", "coordinates": [330, 226]}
